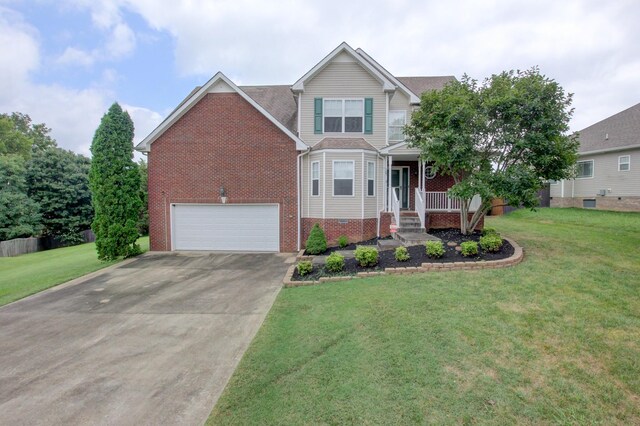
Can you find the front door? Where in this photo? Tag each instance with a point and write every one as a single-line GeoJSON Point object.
{"type": "Point", "coordinates": [400, 184]}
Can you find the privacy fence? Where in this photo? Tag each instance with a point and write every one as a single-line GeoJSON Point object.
{"type": "Point", "coordinates": [20, 246]}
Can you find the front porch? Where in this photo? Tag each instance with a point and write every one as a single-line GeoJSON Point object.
{"type": "Point", "coordinates": [413, 190]}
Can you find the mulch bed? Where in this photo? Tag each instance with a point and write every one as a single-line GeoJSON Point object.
{"type": "Point", "coordinates": [417, 253]}
{"type": "Point", "coordinates": [352, 246]}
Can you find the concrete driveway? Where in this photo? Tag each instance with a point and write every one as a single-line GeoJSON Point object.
{"type": "Point", "coordinates": [150, 342]}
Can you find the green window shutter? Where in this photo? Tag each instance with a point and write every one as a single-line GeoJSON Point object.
{"type": "Point", "coordinates": [317, 115]}
{"type": "Point", "coordinates": [368, 116]}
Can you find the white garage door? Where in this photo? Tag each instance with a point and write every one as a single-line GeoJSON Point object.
{"type": "Point", "coordinates": [239, 227]}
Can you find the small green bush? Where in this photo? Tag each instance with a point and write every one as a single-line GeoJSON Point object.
{"type": "Point", "coordinates": [469, 248]}
{"type": "Point", "coordinates": [366, 256]}
{"type": "Point", "coordinates": [317, 241]}
{"type": "Point", "coordinates": [304, 267]}
{"type": "Point", "coordinates": [343, 241]}
{"type": "Point", "coordinates": [435, 249]}
{"type": "Point", "coordinates": [491, 242]}
{"type": "Point", "coordinates": [490, 231]}
{"type": "Point", "coordinates": [402, 254]}
{"type": "Point", "coordinates": [335, 262]}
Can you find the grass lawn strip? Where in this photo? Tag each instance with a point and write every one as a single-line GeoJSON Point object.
{"type": "Point", "coordinates": [554, 340]}
{"type": "Point", "coordinates": [27, 274]}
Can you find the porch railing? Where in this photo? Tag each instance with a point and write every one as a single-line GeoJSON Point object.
{"type": "Point", "coordinates": [421, 206]}
{"type": "Point", "coordinates": [440, 201]}
{"type": "Point", "coordinates": [395, 207]}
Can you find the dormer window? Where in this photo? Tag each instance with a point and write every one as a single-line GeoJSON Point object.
{"type": "Point", "coordinates": [343, 115]}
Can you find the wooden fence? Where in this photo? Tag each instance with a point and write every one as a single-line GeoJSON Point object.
{"type": "Point", "coordinates": [19, 246]}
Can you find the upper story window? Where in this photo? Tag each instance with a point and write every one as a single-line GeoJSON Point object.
{"type": "Point", "coordinates": [584, 169]}
{"type": "Point", "coordinates": [397, 121]}
{"type": "Point", "coordinates": [624, 163]}
{"type": "Point", "coordinates": [343, 115]}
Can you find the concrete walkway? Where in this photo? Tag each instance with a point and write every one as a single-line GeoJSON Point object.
{"type": "Point", "coordinates": [150, 342]}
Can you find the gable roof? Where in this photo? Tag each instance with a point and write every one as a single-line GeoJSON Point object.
{"type": "Point", "coordinates": [343, 143]}
{"type": "Point", "coordinates": [199, 93]}
{"type": "Point", "coordinates": [621, 130]}
{"type": "Point", "coordinates": [419, 85]}
{"type": "Point", "coordinates": [387, 85]}
{"type": "Point", "coordinates": [413, 97]}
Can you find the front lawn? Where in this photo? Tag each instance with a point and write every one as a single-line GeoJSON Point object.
{"type": "Point", "coordinates": [555, 339]}
{"type": "Point", "coordinates": [23, 275]}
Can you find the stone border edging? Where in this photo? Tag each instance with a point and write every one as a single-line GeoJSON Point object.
{"type": "Point", "coordinates": [514, 259]}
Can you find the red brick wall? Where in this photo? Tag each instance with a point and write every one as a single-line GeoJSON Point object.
{"type": "Point", "coordinates": [222, 141]}
{"type": "Point", "coordinates": [356, 230]}
{"type": "Point", "coordinates": [385, 223]}
{"type": "Point", "coordinates": [447, 220]}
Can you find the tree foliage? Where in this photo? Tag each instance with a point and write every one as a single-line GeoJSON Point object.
{"type": "Point", "coordinates": [115, 186]}
{"type": "Point", "coordinates": [143, 222]}
{"type": "Point", "coordinates": [58, 181]}
{"type": "Point", "coordinates": [504, 138]}
{"type": "Point", "coordinates": [19, 215]}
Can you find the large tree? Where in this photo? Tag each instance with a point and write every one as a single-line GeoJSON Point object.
{"type": "Point", "coordinates": [115, 186]}
{"type": "Point", "coordinates": [19, 215]}
{"type": "Point", "coordinates": [58, 181]}
{"type": "Point", "coordinates": [143, 223]}
{"type": "Point", "coordinates": [503, 138]}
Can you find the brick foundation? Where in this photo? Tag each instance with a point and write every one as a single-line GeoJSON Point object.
{"type": "Point", "coordinates": [624, 204]}
{"type": "Point", "coordinates": [447, 220]}
{"type": "Point", "coordinates": [355, 230]}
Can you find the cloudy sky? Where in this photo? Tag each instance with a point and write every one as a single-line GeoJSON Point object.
{"type": "Point", "coordinates": [64, 62]}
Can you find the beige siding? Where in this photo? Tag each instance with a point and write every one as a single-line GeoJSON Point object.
{"type": "Point", "coordinates": [400, 102]}
{"type": "Point", "coordinates": [344, 78]}
{"type": "Point", "coordinates": [372, 205]}
{"type": "Point", "coordinates": [311, 206]}
{"type": "Point", "coordinates": [605, 176]}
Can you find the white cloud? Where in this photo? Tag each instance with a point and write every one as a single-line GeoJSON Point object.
{"type": "Point", "coordinates": [72, 114]}
{"type": "Point", "coordinates": [276, 42]}
{"type": "Point", "coordinates": [73, 57]}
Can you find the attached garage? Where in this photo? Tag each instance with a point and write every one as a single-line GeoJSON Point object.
{"type": "Point", "coordinates": [226, 227]}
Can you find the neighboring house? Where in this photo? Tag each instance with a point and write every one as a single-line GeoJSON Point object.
{"type": "Point", "coordinates": [608, 168]}
{"type": "Point", "coordinates": [254, 167]}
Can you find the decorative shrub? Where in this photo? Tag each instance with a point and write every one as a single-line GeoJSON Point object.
{"type": "Point", "coordinates": [402, 254]}
{"type": "Point", "coordinates": [366, 256]}
{"type": "Point", "coordinates": [491, 242]}
{"type": "Point", "coordinates": [343, 241]}
{"type": "Point", "coordinates": [435, 249]}
{"type": "Point", "coordinates": [317, 241]}
{"type": "Point", "coordinates": [490, 231]}
{"type": "Point", "coordinates": [304, 267]}
{"type": "Point", "coordinates": [335, 262]}
{"type": "Point", "coordinates": [469, 248]}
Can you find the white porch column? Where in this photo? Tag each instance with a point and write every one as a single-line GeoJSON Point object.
{"type": "Point", "coordinates": [390, 162]}
{"type": "Point", "coordinates": [420, 174]}
{"type": "Point", "coordinates": [424, 173]}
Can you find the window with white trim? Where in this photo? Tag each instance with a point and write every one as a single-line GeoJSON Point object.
{"type": "Point", "coordinates": [371, 179]}
{"type": "Point", "coordinates": [584, 169]}
{"type": "Point", "coordinates": [343, 172]}
{"type": "Point", "coordinates": [315, 178]}
{"type": "Point", "coordinates": [343, 115]}
{"type": "Point", "coordinates": [397, 121]}
{"type": "Point", "coordinates": [624, 163]}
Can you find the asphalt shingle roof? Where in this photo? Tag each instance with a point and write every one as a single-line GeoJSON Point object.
{"type": "Point", "coordinates": [343, 143]}
{"type": "Point", "coordinates": [619, 130]}
{"type": "Point", "coordinates": [278, 101]}
{"type": "Point", "coordinates": [419, 85]}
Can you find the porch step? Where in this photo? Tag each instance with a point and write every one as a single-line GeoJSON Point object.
{"type": "Point", "coordinates": [414, 238]}
{"type": "Point", "coordinates": [388, 244]}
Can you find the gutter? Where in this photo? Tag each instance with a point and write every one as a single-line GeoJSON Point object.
{"type": "Point", "coordinates": [613, 149]}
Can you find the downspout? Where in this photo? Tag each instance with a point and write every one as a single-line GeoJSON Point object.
{"type": "Point", "coordinates": [299, 159]}
{"type": "Point", "coordinates": [380, 157]}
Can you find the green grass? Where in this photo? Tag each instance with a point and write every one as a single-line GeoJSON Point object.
{"type": "Point", "coordinates": [24, 275]}
{"type": "Point", "coordinates": [554, 340]}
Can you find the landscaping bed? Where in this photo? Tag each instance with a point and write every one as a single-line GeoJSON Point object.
{"type": "Point", "coordinates": [351, 246]}
{"type": "Point", "coordinates": [418, 256]}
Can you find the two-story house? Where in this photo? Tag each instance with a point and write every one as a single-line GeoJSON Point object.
{"type": "Point", "coordinates": [252, 168]}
